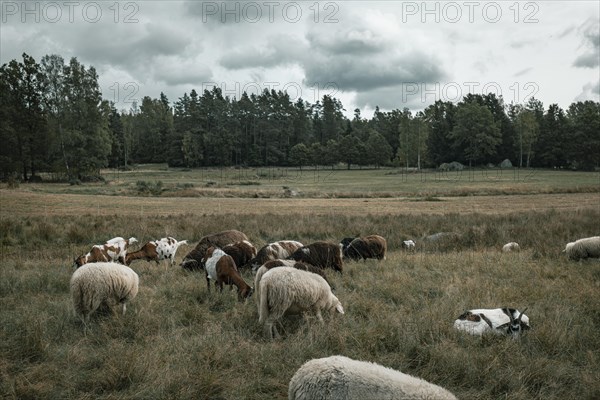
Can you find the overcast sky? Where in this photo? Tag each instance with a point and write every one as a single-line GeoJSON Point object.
{"type": "Point", "coordinates": [393, 54]}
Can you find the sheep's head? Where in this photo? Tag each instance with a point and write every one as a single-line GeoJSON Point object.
{"type": "Point", "coordinates": [335, 304]}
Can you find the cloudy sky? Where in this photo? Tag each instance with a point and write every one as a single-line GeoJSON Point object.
{"type": "Point", "coordinates": [393, 54]}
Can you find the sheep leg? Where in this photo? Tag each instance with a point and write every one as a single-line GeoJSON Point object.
{"type": "Point", "coordinates": [320, 317]}
{"type": "Point", "coordinates": [271, 330]}
{"type": "Point", "coordinates": [208, 283]}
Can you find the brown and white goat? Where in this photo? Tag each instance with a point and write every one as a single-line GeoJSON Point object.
{"type": "Point", "coordinates": [193, 260]}
{"type": "Point", "coordinates": [114, 249]}
{"type": "Point", "coordinates": [320, 254]}
{"type": "Point", "coordinates": [156, 250]}
{"type": "Point", "coordinates": [273, 251]}
{"type": "Point", "coordinates": [502, 321]}
{"type": "Point", "coordinates": [221, 268]}
{"type": "Point", "coordinates": [241, 252]}
{"type": "Point", "coordinates": [372, 246]}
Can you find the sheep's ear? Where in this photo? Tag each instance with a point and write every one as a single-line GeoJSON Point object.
{"type": "Point", "coordinates": [339, 308]}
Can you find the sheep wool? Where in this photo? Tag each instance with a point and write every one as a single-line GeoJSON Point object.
{"type": "Point", "coordinates": [102, 282]}
{"type": "Point", "coordinates": [584, 248]}
{"type": "Point", "coordinates": [339, 377]}
{"type": "Point", "coordinates": [287, 290]}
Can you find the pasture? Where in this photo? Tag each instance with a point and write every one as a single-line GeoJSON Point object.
{"type": "Point", "coordinates": [179, 341]}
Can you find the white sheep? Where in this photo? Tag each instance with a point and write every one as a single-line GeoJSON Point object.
{"type": "Point", "coordinates": [512, 246]}
{"type": "Point", "coordinates": [339, 377]}
{"type": "Point", "coordinates": [102, 282]}
{"type": "Point", "coordinates": [287, 290]}
{"type": "Point", "coordinates": [502, 321]}
{"type": "Point", "coordinates": [583, 248]}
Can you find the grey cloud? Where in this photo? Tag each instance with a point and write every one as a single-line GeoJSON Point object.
{"type": "Point", "coordinates": [353, 41]}
{"type": "Point", "coordinates": [278, 51]}
{"type": "Point", "coordinates": [590, 91]}
{"type": "Point", "coordinates": [590, 31]}
{"type": "Point", "coordinates": [364, 74]}
{"type": "Point", "coordinates": [180, 72]}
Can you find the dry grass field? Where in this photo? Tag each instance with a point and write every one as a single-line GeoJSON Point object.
{"type": "Point", "coordinates": [177, 341]}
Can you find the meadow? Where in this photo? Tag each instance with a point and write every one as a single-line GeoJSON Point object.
{"type": "Point", "coordinates": [177, 341]}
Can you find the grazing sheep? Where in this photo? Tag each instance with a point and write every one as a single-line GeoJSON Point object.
{"type": "Point", "coordinates": [241, 252]}
{"type": "Point", "coordinates": [273, 251]}
{"type": "Point", "coordinates": [372, 246]}
{"type": "Point", "coordinates": [339, 377]}
{"type": "Point", "coordinates": [284, 263]}
{"type": "Point", "coordinates": [502, 321]}
{"type": "Point", "coordinates": [156, 250]}
{"type": "Point", "coordinates": [102, 282]}
{"type": "Point", "coordinates": [512, 246]}
{"type": "Point", "coordinates": [583, 248]}
{"type": "Point", "coordinates": [193, 260]}
{"type": "Point", "coordinates": [320, 254]}
{"type": "Point", "coordinates": [221, 268]}
{"type": "Point", "coordinates": [287, 290]}
{"type": "Point", "coordinates": [114, 249]}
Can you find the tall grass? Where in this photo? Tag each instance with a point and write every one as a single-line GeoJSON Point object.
{"type": "Point", "coordinates": [179, 341]}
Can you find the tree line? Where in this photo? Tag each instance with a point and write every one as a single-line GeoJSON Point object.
{"type": "Point", "coordinates": [53, 119]}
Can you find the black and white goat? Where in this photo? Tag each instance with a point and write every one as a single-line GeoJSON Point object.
{"type": "Point", "coordinates": [502, 321]}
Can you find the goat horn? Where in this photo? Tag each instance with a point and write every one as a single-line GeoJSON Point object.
{"type": "Point", "coordinates": [521, 315]}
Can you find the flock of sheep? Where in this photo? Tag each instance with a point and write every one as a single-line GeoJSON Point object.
{"type": "Point", "coordinates": [289, 278]}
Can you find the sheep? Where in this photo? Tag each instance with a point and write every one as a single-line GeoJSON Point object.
{"type": "Point", "coordinates": [156, 250]}
{"type": "Point", "coordinates": [372, 246]}
{"type": "Point", "coordinates": [192, 260]}
{"type": "Point", "coordinates": [583, 248]}
{"type": "Point", "coordinates": [284, 263]}
{"type": "Point", "coordinates": [339, 377]}
{"type": "Point", "coordinates": [512, 246]}
{"type": "Point", "coordinates": [320, 254]}
{"type": "Point", "coordinates": [241, 252]}
{"type": "Point", "coordinates": [102, 282]}
{"type": "Point", "coordinates": [221, 268]}
{"type": "Point", "coordinates": [287, 290]}
{"type": "Point", "coordinates": [114, 249]}
{"type": "Point", "coordinates": [502, 321]}
{"type": "Point", "coordinates": [273, 251]}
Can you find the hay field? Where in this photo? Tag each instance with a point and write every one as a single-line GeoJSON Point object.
{"type": "Point", "coordinates": [179, 341]}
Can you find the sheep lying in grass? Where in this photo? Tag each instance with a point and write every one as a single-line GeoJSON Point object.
{"type": "Point", "coordinates": [502, 321]}
{"type": "Point", "coordinates": [287, 290]}
{"type": "Point", "coordinates": [102, 283]}
{"type": "Point", "coordinates": [583, 248]}
{"type": "Point", "coordinates": [339, 377]}
{"type": "Point", "coordinates": [512, 246]}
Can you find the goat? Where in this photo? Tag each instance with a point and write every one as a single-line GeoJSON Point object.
{"type": "Point", "coordinates": [156, 250]}
{"type": "Point", "coordinates": [221, 268]}
{"type": "Point", "coordinates": [503, 321]}
{"type": "Point", "coordinates": [114, 249]}
{"type": "Point", "coordinates": [193, 260]}
{"type": "Point", "coordinates": [241, 252]}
